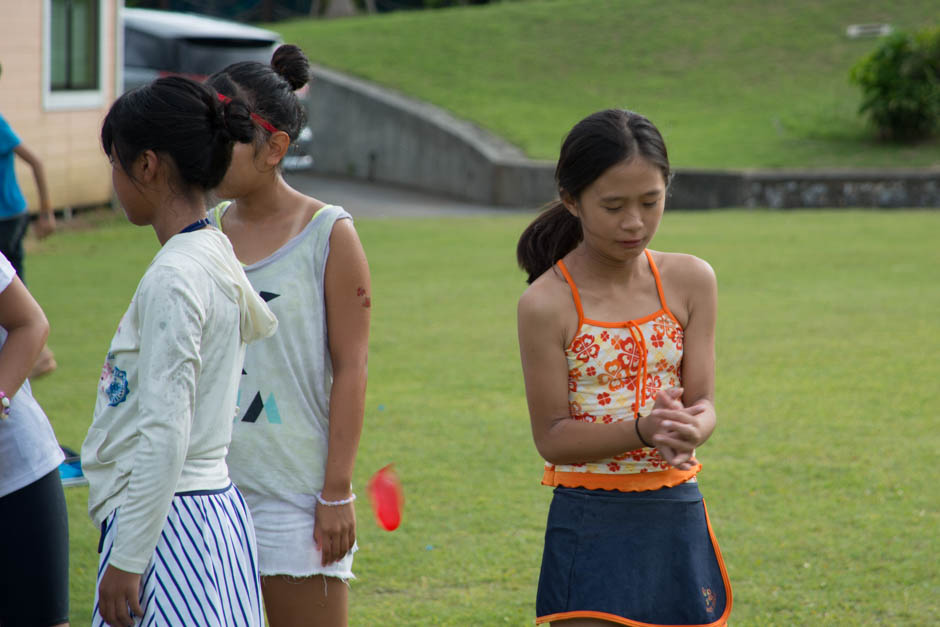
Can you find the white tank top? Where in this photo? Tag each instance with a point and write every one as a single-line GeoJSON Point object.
{"type": "Point", "coordinates": [281, 430]}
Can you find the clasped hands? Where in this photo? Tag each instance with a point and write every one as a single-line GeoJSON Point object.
{"type": "Point", "coordinates": [675, 430]}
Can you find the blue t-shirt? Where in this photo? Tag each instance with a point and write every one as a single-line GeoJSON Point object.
{"type": "Point", "coordinates": [11, 197]}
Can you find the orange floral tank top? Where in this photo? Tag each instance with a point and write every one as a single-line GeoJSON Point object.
{"type": "Point", "coordinates": [615, 370]}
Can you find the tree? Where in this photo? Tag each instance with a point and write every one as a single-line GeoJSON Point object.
{"type": "Point", "coordinates": [900, 82]}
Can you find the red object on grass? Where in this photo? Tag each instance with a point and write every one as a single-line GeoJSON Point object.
{"type": "Point", "coordinates": [387, 498]}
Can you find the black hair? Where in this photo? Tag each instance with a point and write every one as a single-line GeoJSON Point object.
{"type": "Point", "coordinates": [183, 119]}
{"type": "Point", "coordinates": [595, 144]}
{"type": "Point", "coordinates": [269, 89]}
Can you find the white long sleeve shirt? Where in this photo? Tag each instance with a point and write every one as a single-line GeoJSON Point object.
{"type": "Point", "coordinates": [167, 394]}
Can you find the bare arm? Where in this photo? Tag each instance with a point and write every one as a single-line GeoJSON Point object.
{"type": "Point", "coordinates": [348, 308]}
{"type": "Point", "coordinates": [27, 330]}
{"type": "Point", "coordinates": [698, 359]}
{"type": "Point", "coordinates": [46, 224]}
{"type": "Point", "coordinates": [558, 437]}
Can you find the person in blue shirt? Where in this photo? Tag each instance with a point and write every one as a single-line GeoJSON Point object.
{"type": "Point", "coordinates": [14, 217]}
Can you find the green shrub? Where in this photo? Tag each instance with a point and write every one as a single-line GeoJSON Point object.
{"type": "Point", "coordinates": [900, 83]}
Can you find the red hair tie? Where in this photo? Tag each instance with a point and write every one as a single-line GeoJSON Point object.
{"type": "Point", "coordinates": [254, 116]}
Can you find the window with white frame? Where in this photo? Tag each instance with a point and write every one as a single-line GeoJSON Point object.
{"type": "Point", "coordinates": [73, 54]}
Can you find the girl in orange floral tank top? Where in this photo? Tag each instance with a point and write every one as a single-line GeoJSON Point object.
{"type": "Point", "coordinates": [620, 387]}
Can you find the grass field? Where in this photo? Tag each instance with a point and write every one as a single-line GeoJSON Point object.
{"type": "Point", "coordinates": [820, 479]}
{"type": "Point", "coordinates": [731, 83]}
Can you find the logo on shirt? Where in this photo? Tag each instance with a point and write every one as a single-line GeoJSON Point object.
{"type": "Point", "coordinates": [257, 407]}
{"type": "Point", "coordinates": [117, 388]}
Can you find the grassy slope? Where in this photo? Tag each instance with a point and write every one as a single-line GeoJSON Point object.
{"type": "Point", "coordinates": [818, 479]}
{"type": "Point", "coordinates": [732, 83]}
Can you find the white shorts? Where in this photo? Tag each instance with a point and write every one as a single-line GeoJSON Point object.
{"type": "Point", "coordinates": [284, 529]}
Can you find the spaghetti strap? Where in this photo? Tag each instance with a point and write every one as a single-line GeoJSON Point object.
{"type": "Point", "coordinates": [218, 211]}
{"type": "Point", "coordinates": [659, 283]}
{"type": "Point", "coordinates": [574, 291]}
{"type": "Point", "coordinates": [319, 211]}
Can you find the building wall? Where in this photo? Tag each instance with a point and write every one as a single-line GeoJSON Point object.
{"type": "Point", "coordinates": [66, 140]}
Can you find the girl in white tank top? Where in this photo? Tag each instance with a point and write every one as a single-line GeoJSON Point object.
{"type": "Point", "coordinates": [302, 394]}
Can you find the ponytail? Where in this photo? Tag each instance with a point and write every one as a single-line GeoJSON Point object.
{"type": "Point", "coordinates": [551, 236]}
{"type": "Point", "coordinates": [182, 119]}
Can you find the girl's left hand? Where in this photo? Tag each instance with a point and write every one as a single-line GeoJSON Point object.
{"type": "Point", "coordinates": [679, 431]}
{"type": "Point", "coordinates": [119, 597]}
{"type": "Point", "coordinates": [682, 435]}
{"type": "Point", "coordinates": [334, 531]}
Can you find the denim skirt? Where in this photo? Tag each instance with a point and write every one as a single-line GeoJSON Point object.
{"type": "Point", "coordinates": [632, 558]}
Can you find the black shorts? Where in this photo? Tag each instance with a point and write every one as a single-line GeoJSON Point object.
{"type": "Point", "coordinates": [12, 232]}
{"type": "Point", "coordinates": [34, 555]}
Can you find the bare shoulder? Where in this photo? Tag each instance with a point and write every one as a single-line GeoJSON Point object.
{"type": "Point", "coordinates": [544, 295]}
{"type": "Point", "coordinates": [343, 231]}
{"type": "Point", "coordinates": [347, 256]}
{"type": "Point", "coordinates": [684, 271]}
{"type": "Point", "coordinates": [547, 305]}
{"type": "Point", "coordinates": [689, 284]}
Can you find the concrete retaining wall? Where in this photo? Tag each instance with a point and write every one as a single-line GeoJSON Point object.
{"type": "Point", "coordinates": [369, 132]}
{"type": "Point", "coordinates": [871, 188]}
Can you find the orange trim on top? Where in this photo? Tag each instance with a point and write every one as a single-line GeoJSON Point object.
{"type": "Point", "coordinates": [620, 620]}
{"type": "Point", "coordinates": [574, 295]}
{"type": "Point", "coordinates": [624, 482]}
{"type": "Point", "coordinates": [659, 286]}
{"type": "Point", "coordinates": [582, 319]}
{"type": "Point", "coordinates": [628, 323]}
{"type": "Point", "coordinates": [644, 368]}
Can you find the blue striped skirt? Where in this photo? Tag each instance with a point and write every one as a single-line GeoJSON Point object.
{"type": "Point", "coordinates": [204, 570]}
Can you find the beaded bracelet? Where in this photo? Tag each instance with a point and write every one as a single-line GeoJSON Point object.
{"type": "Point", "coordinates": [4, 406]}
{"type": "Point", "coordinates": [345, 501]}
{"type": "Point", "coordinates": [636, 425]}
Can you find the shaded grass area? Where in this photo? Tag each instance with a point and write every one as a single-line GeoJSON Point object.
{"type": "Point", "coordinates": [730, 83]}
{"type": "Point", "coordinates": [818, 479]}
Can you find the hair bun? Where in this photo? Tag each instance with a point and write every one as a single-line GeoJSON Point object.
{"type": "Point", "coordinates": [291, 63]}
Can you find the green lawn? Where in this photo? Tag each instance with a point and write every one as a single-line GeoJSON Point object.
{"type": "Point", "coordinates": [820, 478]}
{"type": "Point", "coordinates": [731, 83]}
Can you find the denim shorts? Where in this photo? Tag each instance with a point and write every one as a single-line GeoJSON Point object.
{"type": "Point", "coordinates": [632, 558]}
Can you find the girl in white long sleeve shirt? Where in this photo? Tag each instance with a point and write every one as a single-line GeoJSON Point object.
{"type": "Point", "coordinates": [177, 545]}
